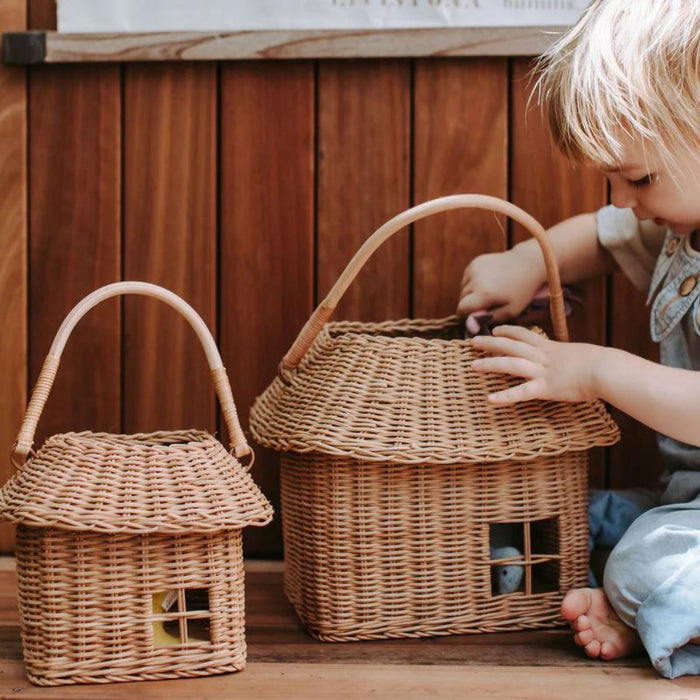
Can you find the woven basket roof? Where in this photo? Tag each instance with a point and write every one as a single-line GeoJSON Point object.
{"type": "Point", "coordinates": [405, 392]}
{"type": "Point", "coordinates": [168, 482]}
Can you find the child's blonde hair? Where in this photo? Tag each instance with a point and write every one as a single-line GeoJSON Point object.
{"type": "Point", "coordinates": [629, 69]}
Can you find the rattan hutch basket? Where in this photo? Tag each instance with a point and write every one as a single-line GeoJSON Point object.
{"type": "Point", "coordinates": [397, 476]}
{"type": "Point", "coordinates": [129, 554]}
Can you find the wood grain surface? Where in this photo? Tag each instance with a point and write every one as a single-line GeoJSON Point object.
{"type": "Point", "coordinates": [363, 179]}
{"type": "Point", "coordinates": [74, 228]}
{"type": "Point", "coordinates": [13, 243]}
{"type": "Point", "coordinates": [266, 255]}
{"type": "Point", "coordinates": [460, 145]}
{"type": "Point", "coordinates": [284, 661]}
{"type": "Point", "coordinates": [170, 238]}
{"type": "Point", "coordinates": [299, 44]}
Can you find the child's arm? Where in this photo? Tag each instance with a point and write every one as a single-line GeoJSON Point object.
{"type": "Point", "coordinates": [666, 399]}
{"type": "Point", "coordinates": [505, 283]}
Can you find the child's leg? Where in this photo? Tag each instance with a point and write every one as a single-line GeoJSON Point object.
{"type": "Point", "coordinates": [652, 581]}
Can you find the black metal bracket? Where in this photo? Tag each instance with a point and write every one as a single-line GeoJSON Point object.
{"type": "Point", "coordinates": [24, 48]}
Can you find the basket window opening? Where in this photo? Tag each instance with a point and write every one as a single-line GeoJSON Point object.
{"type": "Point", "coordinates": [181, 617]}
{"type": "Point", "coordinates": [524, 557]}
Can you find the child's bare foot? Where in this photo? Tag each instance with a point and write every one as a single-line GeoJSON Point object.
{"type": "Point", "coordinates": [600, 632]}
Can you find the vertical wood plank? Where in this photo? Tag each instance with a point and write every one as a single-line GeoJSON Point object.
{"type": "Point", "coordinates": [363, 180]}
{"type": "Point", "coordinates": [460, 146]}
{"type": "Point", "coordinates": [13, 243]}
{"type": "Point", "coordinates": [170, 133]}
{"type": "Point", "coordinates": [41, 14]}
{"type": "Point", "coordinates": [74, 233]}
{"type": "Point", "coordinates": [635, 460]}
{"type": "Point", "coordinates": [550, 189]}
{"type": "Point", "coordinates": [267, 238]}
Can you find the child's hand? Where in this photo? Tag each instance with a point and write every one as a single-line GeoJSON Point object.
{"type": "Point", "coordinates": [501, 283]}
{"type": "Point", "coordinates": [553, 370]}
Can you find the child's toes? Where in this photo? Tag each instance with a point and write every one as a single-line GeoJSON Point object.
{"type": "Point", "coordinates": [608, 650]}
{"type": "Point", "coordinates": [581, 623]}
{"type": "Point", "coordinates": [592, 649]}
{"type": "Point", "coordinates": [583, 638]}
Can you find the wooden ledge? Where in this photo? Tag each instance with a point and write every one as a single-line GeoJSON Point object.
{"type": "Point", "coordinates": [37, 47]}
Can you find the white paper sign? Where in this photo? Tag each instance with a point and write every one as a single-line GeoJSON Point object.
{"type": "Point", "coordinates": [232, 15]}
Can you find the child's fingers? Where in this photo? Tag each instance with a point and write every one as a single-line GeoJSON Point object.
{"type": "Point", "coordinates": [515, 366]}
{"type": "Point", "coordinates": [523, 392]}
{"type": "Point", "coordinates": [501, 314]}
{"type": "Point", "coordinates": [465, 289]}
{"type": "Point", "coordinates": [470, 302]}
{"type": "Point", "coordinates": [507, 346]}
{"type": "Point", "coordinates": [519, 333]}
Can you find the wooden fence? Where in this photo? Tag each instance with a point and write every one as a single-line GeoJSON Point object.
{"type": "Point", "coordinates": [245, 187]}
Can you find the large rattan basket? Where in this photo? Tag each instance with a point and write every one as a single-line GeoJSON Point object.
{"type": "Point", "coordinates": [398, 476]}
{"type": "Point", "coordinates": [129, 554]}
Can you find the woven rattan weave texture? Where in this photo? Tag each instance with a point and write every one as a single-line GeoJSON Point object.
{"type": "Point", "coordinates": [177, 482]}
{"type": "Point", "coordinates": [129, 555]}
{"type": "Point", "coordinates": [394, 550]}
{"type": "Point", "coordinates": [86, 604]}
{"type": "Point", "coordinates": [405, 391]}
{"type": "Point", "coordinates": [398, 475]}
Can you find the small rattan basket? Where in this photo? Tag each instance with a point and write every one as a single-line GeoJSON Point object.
{"type": "Point", "coordinates": [129, 556]}
{"type": "Point", "coordinates": [397, 475]}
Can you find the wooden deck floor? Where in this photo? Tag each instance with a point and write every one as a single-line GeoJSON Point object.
{"type": "Point", "coordinates": [284, 662]}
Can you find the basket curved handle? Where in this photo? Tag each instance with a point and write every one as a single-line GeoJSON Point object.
{"type": "Point", "coordinates": [25, 439]}
{"type": "Point", "coordinates": [457, 201]}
